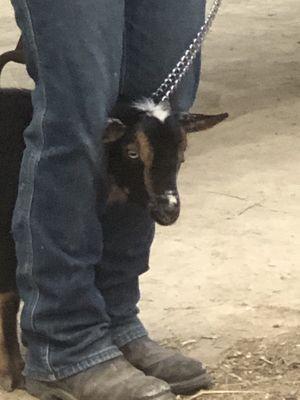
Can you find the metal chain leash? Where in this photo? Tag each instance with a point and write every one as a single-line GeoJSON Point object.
{"type": "Point", "coordinates": [172, 81]}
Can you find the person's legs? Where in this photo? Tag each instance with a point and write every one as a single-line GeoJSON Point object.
{"type": "Point", "coordinates": [156, 35]}
{"type": "Point", "coordinates": [73, 51]}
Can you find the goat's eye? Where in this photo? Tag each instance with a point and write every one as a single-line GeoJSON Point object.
{"type": "Point", "coordinates": [133, 154]}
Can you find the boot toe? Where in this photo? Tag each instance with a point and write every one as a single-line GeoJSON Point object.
{"type": "Point", "coordinates": [153, 388]}
{"type": "Point", "coordinates": [183, 374]}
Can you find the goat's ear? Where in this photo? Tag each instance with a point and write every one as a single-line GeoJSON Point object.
{"type": "Point", "coordinates": [114, 130]}
{"type": "Point", "coordinates": [200, 122]}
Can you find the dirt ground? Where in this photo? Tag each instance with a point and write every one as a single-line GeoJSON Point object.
{"type": "Point", "coordinates": [225, 280]}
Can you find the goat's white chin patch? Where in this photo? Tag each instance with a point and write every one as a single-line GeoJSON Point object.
{"type": "Point", "coordinates": [171, 198]}
{"type": "Point", "coordinates": [159, 111]}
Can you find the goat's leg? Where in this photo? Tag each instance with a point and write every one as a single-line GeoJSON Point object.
{"type": "Point", "coordinates": [16, 360]}
{"type": "Point", "coordinates": [6, 380]}
{"type": "Point", "coordinates": [11, 363]}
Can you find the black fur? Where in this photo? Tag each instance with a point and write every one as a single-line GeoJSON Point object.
{"type": "Point", "coordinates": [15, 115]}
{"type": "Point", "coordinates": [165, 138]}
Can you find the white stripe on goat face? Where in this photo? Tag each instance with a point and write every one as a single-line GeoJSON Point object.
{"type": "Point", "coordinates": [160, 111]}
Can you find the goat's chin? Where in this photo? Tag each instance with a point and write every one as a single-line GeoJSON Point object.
{"type": "Point", "coordinates": [163, 219]}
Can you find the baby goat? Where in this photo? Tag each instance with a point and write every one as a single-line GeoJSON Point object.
{"type": "Point", "coordinates": [145, 146]}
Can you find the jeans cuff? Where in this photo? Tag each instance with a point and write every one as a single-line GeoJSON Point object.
{"type": "Point", "coordinates": [121, 335]}
{"type": "Point", "coordinates": [83, 365]}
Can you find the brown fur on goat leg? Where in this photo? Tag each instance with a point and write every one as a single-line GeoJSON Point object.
{"type": "Point", "coordinates": [11, 363]}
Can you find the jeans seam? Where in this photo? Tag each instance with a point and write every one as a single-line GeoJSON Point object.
{"type": "Point", "coordinates": [47, 356]}
{"type": "Point", "coordinates": [36, 162]}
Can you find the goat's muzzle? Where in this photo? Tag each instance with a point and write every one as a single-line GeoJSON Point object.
{"type": "Point", "coordinates": [165, 208]}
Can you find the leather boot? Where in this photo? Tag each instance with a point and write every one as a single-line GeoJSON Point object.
{"type": "Point", "coordinates": [115, 379]}
{"type": "Point", "coordinates": [184, 375]}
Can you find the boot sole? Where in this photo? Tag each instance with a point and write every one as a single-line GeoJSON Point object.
{"type": "Point", "coordinates": [43, 392]}
{"type": "Point", "coordinates": [190, 386]}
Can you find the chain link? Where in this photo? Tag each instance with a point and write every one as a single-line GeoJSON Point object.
{"type": "Point", "coordinates": [170, 84]}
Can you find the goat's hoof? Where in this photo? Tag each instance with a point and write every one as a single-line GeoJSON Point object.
{"type": "Point", "coordinates": [20, 382]}
{"type": "Point", "coordinates": [11, 381]}
{"type": "Point", "coordinates": [7, 382]}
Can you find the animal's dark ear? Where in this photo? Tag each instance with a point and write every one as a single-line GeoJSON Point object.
{"type": "Point", "coordinates": [114, 130]}
{"type": "Point", "coordinates": [199, 122]}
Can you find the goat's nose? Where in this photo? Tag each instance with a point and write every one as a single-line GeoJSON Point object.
{"type": "Point", "coordinates": [166, 208]}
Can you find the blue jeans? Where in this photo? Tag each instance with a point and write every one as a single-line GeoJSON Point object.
{"type": "Point", "coordinates": [79, 261]}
